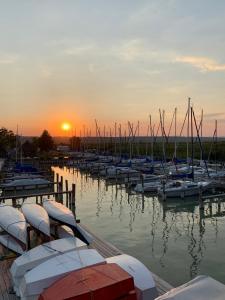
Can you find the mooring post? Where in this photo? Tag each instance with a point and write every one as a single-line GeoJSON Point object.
{"type": "Point", "coordinates": [61, 183]}
{"type": "Point", "coordinates": [73, 208]}
{"type": "Point", "coordinates": [57, 181]}
{"type": "Point", "coordinates": [66, 184]}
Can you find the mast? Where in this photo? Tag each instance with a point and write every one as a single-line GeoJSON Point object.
{"type": "Point", "coordinates": [216, 144]}
{"type": "Point", "coordinates": [115, 135]}
{"type": "Point", "coordinates": [192, 144]}
{"type": "Point", "coordinates": [175, 132]}
{"type": "Point", "coordinates": [188, 127]}
{"type": "Point", "coordinates": [152, 136]}
{"type": "Point", "coordinates": [201, 131]}
{"type": "Point", "coordinates": [16, 142]}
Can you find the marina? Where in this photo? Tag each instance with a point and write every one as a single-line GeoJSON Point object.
{"type": "Point", "coordinates": [112, 150]}
{"type": "Point", "coordinates": [106, 249]}
{"type": "Point", "coordinates": [113, 209]}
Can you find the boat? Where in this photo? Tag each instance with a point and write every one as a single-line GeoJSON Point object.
{"type": "Point", "coordinates": [13, 222]}
{"type": "Point", "coordinates": [10, 243]}
{"type": "Point", "coordinates": [143, 280]}
{"type": "Point", "coordinates": [59, 212]}
{"type": "Point", "coordinates": [200, 288]}
{"type": "Point", "coordinates": [106, 281]}
{"type": "Point", "coordinates": [40, 254]}
{"type": "Point", "coordinates": [21, 176]}
{"type": "Point", "coordinates": [148, 187]}
{"type": "Point", "coordinates": [179, 189]}
{"type": "Point", "coordinates": [36, 216]}
{"type": "Point", "coordinates": [25, 184]}
{"type": "Point", "coordinates": [45, 274]}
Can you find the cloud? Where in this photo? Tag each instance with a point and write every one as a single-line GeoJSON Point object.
{"type": "Point", "coordinates": [204, 64]}
{"type": "Point", "coordinates": [7, 59]}
{"type": "Point", "coordinates": [214, 115]}
{"type": "Point", "coordinates": [45, 71]}
{"type": "Point", "coordinates": [79, 50]}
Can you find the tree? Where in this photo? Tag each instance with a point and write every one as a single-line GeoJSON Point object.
{"type": "Point", "coordinates": [7, 141]}
{"type": "Point", "coordinates": [46, 142]}
{"type": "Point", "coordinates": [30, 148]}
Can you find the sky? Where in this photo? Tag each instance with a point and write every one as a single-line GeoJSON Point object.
{"type": "Point", "coordinates": [110, 60]}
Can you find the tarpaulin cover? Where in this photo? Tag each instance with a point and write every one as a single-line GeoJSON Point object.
{"type": "Point", "coordinates": [200, 288]}
{"type": "Point", "coordinates": [107, 281]}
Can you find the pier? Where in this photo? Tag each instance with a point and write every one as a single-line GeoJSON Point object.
{"type": "Point", "coordinates": [105, 248]}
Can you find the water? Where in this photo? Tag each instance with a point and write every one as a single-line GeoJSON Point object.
{"type": "Point", "coordinates": [173, 240]}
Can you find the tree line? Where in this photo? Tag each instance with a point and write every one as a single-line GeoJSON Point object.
{"type": "Point", "coordinates": [10, 143]}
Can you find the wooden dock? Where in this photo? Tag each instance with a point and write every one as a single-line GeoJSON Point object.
{"type": "Point", "coordinates": [104, 248]}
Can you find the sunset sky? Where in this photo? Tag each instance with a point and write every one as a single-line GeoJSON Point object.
{"type": "Point", "coordinates": [110, 60]}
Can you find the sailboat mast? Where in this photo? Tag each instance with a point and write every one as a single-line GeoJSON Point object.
{"type": "Point", "coordinates": [16, 142]}
{"type": "Point", "coordinates": [192, 145]}
{"type": "Point", "coordinates": [175, 132]}
{"type": "Point", "coordinates": [188, 128]}
{"type": "Point", "coordinates": [201, 130]}
{"type": "Point", "coordinates": [216, 144]}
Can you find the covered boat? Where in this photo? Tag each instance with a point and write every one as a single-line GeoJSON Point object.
{"type": "Point", "coordinates": [107, 281]}
{"type": "Point", "coordinates": [40, 254]}
{"type": "Point", "coordinates": [10, 243]}
{"type": "Point", "coordinates": [13, 222]}
{"type": "Point", "coordinates": [37, 216]}
{"type": "Point", "coordinates": [59, 212]}
{"type": "Point", "coordinates": [200, 288]}
{"type": "Point", "coordinates": [143, 280]}
{"type": "Point", "coordinates": [179, 189]}
{"type": "Point", "coordinates": [44, 275]}
{"type": "Point", "coordinates": [26, 183]}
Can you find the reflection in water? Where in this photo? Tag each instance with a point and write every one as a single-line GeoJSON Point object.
{"type": "Point", "coordinates": [174, 235]}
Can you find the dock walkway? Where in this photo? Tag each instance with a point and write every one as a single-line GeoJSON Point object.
{"type": "Point", "coordinates": [104, 248]}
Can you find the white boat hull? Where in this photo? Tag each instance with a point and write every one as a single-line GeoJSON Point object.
{"type": "Point", "coordinates": [37, 217]}
{"type": "Point", "coordinates": [40, 254]}
{"type": "Point", "coordinates": [59, 212]}
{"type": "Point", "coordinates": [143, 280]}
{"type": "Point", "coordinates": [10, 243]}
{"type": "Point", "coordinates": [13, 222]}
{"type": "Point", "coordinates": [44, 275]}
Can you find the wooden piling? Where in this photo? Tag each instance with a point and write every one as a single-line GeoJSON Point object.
{"type": "Point", "coordinates": [73, 195]}
{"type": "Point", "coordinates": [66, 184]}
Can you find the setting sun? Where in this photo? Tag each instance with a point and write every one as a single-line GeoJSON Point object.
{"type": "Point", "coordinates": [66, 126]}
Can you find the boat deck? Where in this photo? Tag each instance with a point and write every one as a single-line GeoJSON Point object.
{"type": "Point", "coordinates": [104, 248]}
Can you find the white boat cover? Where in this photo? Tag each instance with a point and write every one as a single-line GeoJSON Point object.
{"type": "Point", "coordinates": [37, 216]}
{"type": "Point", "coordinates": [200, 288]}
{"type": "Point", "coordinates": [40, 254]}
{"type": "Point", "coordinates": [143, 280]}
{"type": "Point", "coordinates": [59, 212]}
{"type": "Point", "coordinates": [13, 222]}
{"type": "Point", "coordinates": [9, 242]}
{"type": "Point", "coordinates": [26, 182]}
{"type": "Point", "coordinates": [41, 277]}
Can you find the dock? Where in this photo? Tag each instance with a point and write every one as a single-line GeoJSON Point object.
{"type": "Point", "coordinates": [103, 247]}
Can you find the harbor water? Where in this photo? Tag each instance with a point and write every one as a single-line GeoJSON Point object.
{"type": "Point", "coordinates": [174, 239]}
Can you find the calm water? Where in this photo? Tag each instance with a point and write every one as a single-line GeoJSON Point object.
{"type": "Point", "coordinates": [171, 239]}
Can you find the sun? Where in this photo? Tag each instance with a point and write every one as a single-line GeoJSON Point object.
{"type": "Point", "coordinates": [66, 126]}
